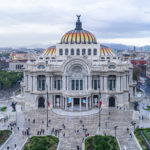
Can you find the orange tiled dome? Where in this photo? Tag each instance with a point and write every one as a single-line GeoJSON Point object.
{"type": "Point", "coordinates": [50, 51]}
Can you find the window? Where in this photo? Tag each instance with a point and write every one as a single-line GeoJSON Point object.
{"type": "Point", "coordinates": [78, 52]}
{"type": "Point", "coordinates": [41, 82]}
{"type": "Point", "coordinates": [66, 51]}
{"type": "Point", "coordinates": [95, 51]}
{"type": "Point", "coordinates": [60, 52]}
{"type": "Point", "coordinates": [89, 51]}
{"type": "Point", "coordinates": [95, 84]}
{"type": "Point", "coordinates": [43, 85]}
{"type": "Point", "coordinates": [41, 67]}
{"type": "Point", "coordinates": [72, 51]}
{"type": "Point", "coordinates": [81, 84]}
{"type": "Point", "coordinates": [83, 51]}
{"type": "Point", "coordinates": [59, 86]}
{"type": "Point", "coordinates": [111, 82]}
{"type": "Point", "coordinates": [73, 85]}
{"type": "Point", "coordinates": [77, 84]}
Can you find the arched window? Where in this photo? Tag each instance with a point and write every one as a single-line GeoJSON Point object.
{"type": "Point", "coordinates": [89, 51]}
{"type": "Point", "coordinates": [41, 82]}
{"type": "Point", "coordinates": [95, 52]}
{"type": "Point", "coordinates": [66, 51]}
{"type": "Point", "coordinates": [83, 51]}
{"type": "Point", "coordinates": [112, 82]}
{"type": "Point", "coordinates": [78, 52]}
{"type": "Point", "coordinates": [60, 51]}
{"type": "Point", "coordinates": [72, 51]}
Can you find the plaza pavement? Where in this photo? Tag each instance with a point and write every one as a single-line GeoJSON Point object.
{"type": "Point", "coordinates": [121, 118]}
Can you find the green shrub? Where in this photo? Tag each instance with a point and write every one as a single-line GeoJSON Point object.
{"type": "Point", "coordinates": [41, 143]}
{"type": "Point", "coordinates": [4, 135]}
{"type": "Point", "coordinates": [3, 108]}
{"type": "Point", "coordinates": [101, 143]}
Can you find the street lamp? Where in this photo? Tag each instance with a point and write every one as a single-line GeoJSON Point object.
{"type": "Point", "coordinates": [115, 127]}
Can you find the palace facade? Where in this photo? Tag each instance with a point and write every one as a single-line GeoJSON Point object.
{"type": "Point", "coordinates": [74, 73]}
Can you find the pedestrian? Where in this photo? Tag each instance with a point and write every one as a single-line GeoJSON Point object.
{"type": "Point", "coordinates": [15, 145]}
{"type": "Point", "coordinates": [49, 121]}
{"type": "Point", "coordinates": [64, 135]}
{"type": "Point", "coordinates": [131, 135]}
{"type": "Point", "coordinates": [7, 147]}
{"type": "Point", "coordinates": [18, 128]}
{"type": "Point", "coordinates": [127, 130]}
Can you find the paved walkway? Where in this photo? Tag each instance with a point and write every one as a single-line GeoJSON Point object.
{"type": "Point", "coordinates": [72, 139]}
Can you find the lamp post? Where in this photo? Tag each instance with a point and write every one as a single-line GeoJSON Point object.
{"type": "Point", "coordinates": [115, 127]}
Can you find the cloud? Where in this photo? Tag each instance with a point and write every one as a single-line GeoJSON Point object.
{"type": "Point", "coordinates": [24, 22]}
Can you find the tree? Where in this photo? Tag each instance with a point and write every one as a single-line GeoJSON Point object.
{"type": "Point", "coordinates": [136, 74]}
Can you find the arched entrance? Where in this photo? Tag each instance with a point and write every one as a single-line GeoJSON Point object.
{"type": "Point", "coordinates": [111, 102]}
{"type": "Point", "coordinates": [41, 102]}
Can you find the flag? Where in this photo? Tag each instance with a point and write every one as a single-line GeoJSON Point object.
{"type": "Point", "coordinates": [100, 103]}
{"type": "Point", "coordinates": [48, 103]}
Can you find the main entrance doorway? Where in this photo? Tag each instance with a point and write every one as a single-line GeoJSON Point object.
{"type": "Point", "coordinates": [76, 101]}
{"type": "Point", "coordinates": [41, 102]}
{"type": "Point", "coordinates": [111, 102]}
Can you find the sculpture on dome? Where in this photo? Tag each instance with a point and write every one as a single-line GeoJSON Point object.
{"type": "Point", "coordinates": [78, 17]}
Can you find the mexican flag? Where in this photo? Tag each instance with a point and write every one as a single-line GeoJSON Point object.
{"type": "Point", "coordinates": [48, 103]}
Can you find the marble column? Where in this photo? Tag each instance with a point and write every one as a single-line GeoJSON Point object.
{"type": "Point", "coordinates": [72, 103]}
{"type": "Point", "coordinates": [118, 83]}
{"type": "Point", "coordinates": [105, 83]}
{"type": "Point", "coordinates": [80, 105]}
{"type": "Point", "coordinates": [86, 103]}
{"type": "Point", "coordinates": [65, 103]}
{"type": "Point", "coordinates": [101, 83]}
{"type": "Point", "coordinates": [54, 101]}
{"type": "Point", "coordinates": [92, 101]}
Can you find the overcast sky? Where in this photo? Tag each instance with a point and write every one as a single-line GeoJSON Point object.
{"type": "Point", "coordinates": [43, 22]}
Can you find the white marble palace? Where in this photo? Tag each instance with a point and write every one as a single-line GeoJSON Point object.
{"type": "Point", "coordinates": [73, 73]}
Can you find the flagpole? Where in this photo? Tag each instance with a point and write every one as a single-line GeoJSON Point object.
{"type": "Point", "coordinates": [99, 104]}
{"type": "Point", "coordinates": [47, 105]}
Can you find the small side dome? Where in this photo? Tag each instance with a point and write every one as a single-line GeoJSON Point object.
{"type": "Point", "coordinates": [49, 52]}
{"type": "Point", "coordinates": [78, 35]}
{"type": "Point", "coordinates": [106, 51]}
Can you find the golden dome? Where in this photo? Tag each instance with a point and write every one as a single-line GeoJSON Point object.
{"type": "Point", "coordinates": [106, 51]}
{"type": "Point", "coordinates": [78, 35]}
{"type": "Point", "coordinates": [50, 51]}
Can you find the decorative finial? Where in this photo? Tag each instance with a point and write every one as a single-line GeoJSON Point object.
{"type": "Point", "coordinates": [78, 16]}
